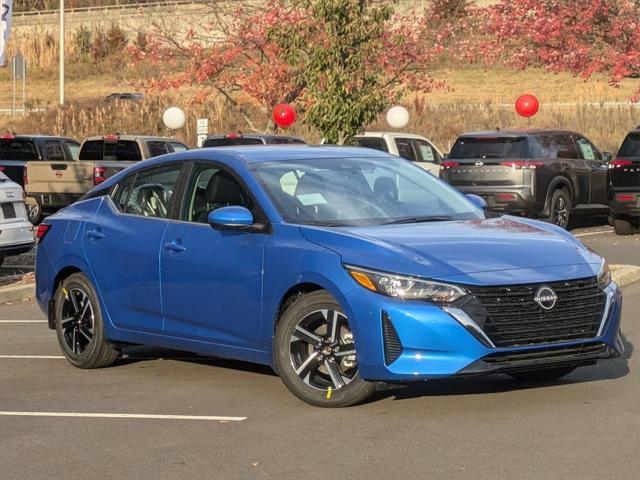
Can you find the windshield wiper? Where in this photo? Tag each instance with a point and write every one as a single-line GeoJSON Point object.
{"type": "Point", "coordinates": [432, 218]}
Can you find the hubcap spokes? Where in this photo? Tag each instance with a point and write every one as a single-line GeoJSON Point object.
{"type": "Point", "coordinates": [561, 212]}
{"type": "Point", "coordinates": [77, 320]}
{"type": "Point", "coordinates": [322, 351]}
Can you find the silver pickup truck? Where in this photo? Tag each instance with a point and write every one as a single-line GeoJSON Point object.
{"type": "Point", "coordinates": [56, 184]}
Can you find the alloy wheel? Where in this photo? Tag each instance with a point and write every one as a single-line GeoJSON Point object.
{"type": "Point", "coordinates": [322, 350]}
{"type": "Point", "coordinates": [77, 320]}
{"type": "Point", "coordinates": [561, 211]}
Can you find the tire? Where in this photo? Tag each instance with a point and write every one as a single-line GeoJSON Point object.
{"type": "Point", "coordinates": [624, 226]}
{"type": "Point", "coordinates": [312, 361]}
{"type": "Point", "coordinates": [546, 375]}
{"type": "Point", "coordinates": [34, 211]}
{"type": "Point", "coordinates": [560, 207]}
{"type": "Point", "coordinates": [79, 325]}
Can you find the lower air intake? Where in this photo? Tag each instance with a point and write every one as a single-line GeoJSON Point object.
{"type": "Point", "coordinates": [392, 345]}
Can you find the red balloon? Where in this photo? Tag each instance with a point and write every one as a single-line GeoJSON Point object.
{"type": "Point", "coordinates": [284, 115]}
{"type": "Point", "coordinates": [527, 105]}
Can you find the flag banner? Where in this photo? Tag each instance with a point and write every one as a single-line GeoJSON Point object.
{"type": "Point", "coordinates": [6, 8]}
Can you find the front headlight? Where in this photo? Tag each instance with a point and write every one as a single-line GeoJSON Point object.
{"type": "Point", "coordinates": [604, 275]}
{"type": "Point", "coordinates": [407, 288]}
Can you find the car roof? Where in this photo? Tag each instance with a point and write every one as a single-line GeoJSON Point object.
{"type": "Point", "coordinates": [525, 132]}
{"type": "Point", "coordinates": [132, 138]}
{"type": "Point", "coordinates": [390, 134]}
{"type": "Point", "coordinates": [254, 135]}
{"type": "Point", "coordinates": [299, 152]}
{"type": "Point", "coordinates": [27, 136]}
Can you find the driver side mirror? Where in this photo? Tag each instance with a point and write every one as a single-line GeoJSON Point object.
{"type": "Point", "coordinates": [477, 201]}
{"type": "Point", "coordinates": [230, 218]}
{"type": "Point", "coordinates": [606, 157]}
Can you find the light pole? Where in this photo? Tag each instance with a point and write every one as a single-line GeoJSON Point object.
{"type": "Point", "coordinates": [61, 52]}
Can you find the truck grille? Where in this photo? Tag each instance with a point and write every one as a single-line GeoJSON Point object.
{"type": "Point", "coordinates": [510, 317]}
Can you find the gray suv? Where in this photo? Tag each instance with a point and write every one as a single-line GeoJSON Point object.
{"type": "Point", "coordinates": [546, 174]}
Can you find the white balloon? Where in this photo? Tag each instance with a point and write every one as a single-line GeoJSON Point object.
{"type": "Point", "coordinates": [174, 118]}
{"type": "Point", "coordinates": [397, 117]}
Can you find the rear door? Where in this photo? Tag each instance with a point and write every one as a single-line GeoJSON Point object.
{"type": "Point", "coordinates": [428, 156]}
{"type": "Point", "coordinates": [599, 172]}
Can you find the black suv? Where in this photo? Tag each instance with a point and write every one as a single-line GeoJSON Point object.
{"type": "Point", "coordinates": [251, 139]}
{"type": "Point", "coordinates": [625, 179]}
{"type": "Point", "coordinates": [547, 174]}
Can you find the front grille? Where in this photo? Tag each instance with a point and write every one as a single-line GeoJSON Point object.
{"type": "Point", "coordinates": [391, 341]}
{"type": "Point", "coordinates": [573, 354]}
{"type": "Point", "coordinates": [510, 317]}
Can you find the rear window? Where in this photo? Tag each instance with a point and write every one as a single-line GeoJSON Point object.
{"type": "Point", "coordinates": [284, 140]}
{"type": "Point", "coordinates": [122, 150]}
{"type": "Point", "coordinates": [372, 142]}
{"type": "Point", "coordinates": [485, 147]}
{"type": "Point", "coordinates": [226, 142]}
{"type": "Point", "coordinates": [631, 146]}
{"type": "Point", "coordinates": [14, 149]}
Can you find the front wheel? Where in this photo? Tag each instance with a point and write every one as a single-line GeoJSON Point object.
{"type": "Point", "coordinates": [315, 353]}
{"type": "Point", "coordinates": [546, 375]}
{"type": "Point", "coordinates": [79, 325]}
{"type": "Point", "coordinates": [560, 208]}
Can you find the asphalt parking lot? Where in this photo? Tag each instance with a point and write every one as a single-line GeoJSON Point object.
{"type": "Point", "coordinates": [194, 417]}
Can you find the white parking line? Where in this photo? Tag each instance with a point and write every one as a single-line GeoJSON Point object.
{"type": "Point", "coordinates": [23, 321]}
{"type": "Point", "coordinates": [33, 356]}
{"type": "Point", "coordinates": [123, 415]}
{"type": "Point", "coordinates": [586, 234]}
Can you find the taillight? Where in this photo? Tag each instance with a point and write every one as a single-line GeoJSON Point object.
{"type": "Point", "coordinates": [523, 165]}
{"type": "Point", "coordinates": [25, 176]}
{"type": "Point", "coordinates": [505, 196]}
{"type": "Point", "coordinates": [42, 230]}
{"type": "Point", "coordinates": [98, 175]}
{"type": "Point", "coordinates": [111, 137]}
{"type": "Point", "coordinates": [2, 169]}
{"type": "Point", "coordinates": [626, 198]}
{"type": "Point", "coordinates": [447, 165]}
{"type": "Point", "coordinates": [233, 136]}
{"type": "Point", "coordinates": [7, 137]}
{"type": "Point", "coordinates": [617, 163]}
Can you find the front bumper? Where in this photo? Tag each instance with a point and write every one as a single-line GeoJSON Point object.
{"type": "Point", "coordinates": [435, 345]}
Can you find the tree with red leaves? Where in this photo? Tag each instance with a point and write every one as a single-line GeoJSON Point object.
{"type": "Point", "coordinates": [583, 37]}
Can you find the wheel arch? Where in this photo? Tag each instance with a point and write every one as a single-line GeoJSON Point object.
{"type": "Point", "coordinates": [556, 184]}
{"type": "Point", "coordinates": [60, 277]}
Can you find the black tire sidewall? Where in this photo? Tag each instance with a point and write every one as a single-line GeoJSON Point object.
{"type": "Point", "coordinates": [92, 354]}
{"type": "Point", "coordinates": [355, 392]}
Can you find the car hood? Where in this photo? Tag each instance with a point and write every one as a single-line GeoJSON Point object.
{"type": "Point", "coordinates": [463, 251]}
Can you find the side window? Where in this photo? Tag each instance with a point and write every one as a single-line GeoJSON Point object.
{"type": "Point", "coordinates": [152, 192]}
{"type": "Point", "coordinates": [74, 148]}
{"type": "Point", "coordinates": [157, 147]}
{"type": "Point", "coordinates": [542, 146]}
{"type": "Point", "coordinates": [179, 147]}
{"type": "Point", "coordinates": [427, 152]}
{"type": "Point", "coordinates": [53, 150]}
{"type": "Point", "coordinates": [120, 193]}
{"type": "Point", "coordinates": [211, 188]}
{"type": "Point", "coordinates": [405, 149]}
{"type": "Point", "coordinates": [587, 150]}
{"type": "Point", "coordinates": [566, 147]}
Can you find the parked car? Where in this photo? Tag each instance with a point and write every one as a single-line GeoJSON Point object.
{"type": "Point", "coordinates": [17, 150]}
{"type": "Point", "coordinates": [366, 270]}
{"type": "Point", "coordinates": [546, 174]}
{"type": "Point", "coordinates": [234, 139]}
{"type": "Point", "coordinates": [56, 184]}
{"type": "Point", "coordinates": [625, 179]}
{"type": "Point", "coordinates": [406, 145]}
{"type": "Point", "coordinates": [16, 233]}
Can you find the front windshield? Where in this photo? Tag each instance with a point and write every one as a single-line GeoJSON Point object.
{"type": "Point", "coordinates": [353, 191]}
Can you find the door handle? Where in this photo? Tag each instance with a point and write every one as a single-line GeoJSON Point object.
{"type": "Point", "coordinates": [174, 247]}
{"type": "Point", "coordinates": [95, 234]}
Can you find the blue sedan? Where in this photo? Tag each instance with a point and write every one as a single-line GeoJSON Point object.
{"type": "Point", "coordinates": [339, 267]}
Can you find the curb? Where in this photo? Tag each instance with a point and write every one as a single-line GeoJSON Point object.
{"type": "Point", "coordinates": [623, 275]}
{"type": "Point", "coordinates": [16, 293]}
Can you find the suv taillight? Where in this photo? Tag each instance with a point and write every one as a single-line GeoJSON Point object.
{"type": "Point", "coordinates": [523, 165]}
{"type": "Point", "coordinates": [25, 176]}
{"type": "Point", "coordinates": [98, 175]}
{"type": "Point", "coordinates": [42, 230]}
{"type": "Point", "coordinates": [447, 165]}
{"type": "Point", "coordinates": [626, 198]}
{"type": "Point", "coordinates": [617, 163]}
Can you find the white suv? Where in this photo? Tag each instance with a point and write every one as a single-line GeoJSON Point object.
{"type": "Point", "coordinates": [407, 145]}
{"type": "Point", "coordinates": [16, 233]}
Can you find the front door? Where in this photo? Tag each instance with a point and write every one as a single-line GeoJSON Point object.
{"type": "Point", "coordinates": [122, 244]}
{"type": "Point", "coordinates": [598, 170]}
{"type": "Point", "coordinates": [212, 279]}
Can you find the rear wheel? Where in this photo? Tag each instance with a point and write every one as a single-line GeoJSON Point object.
{"type": "Point", "coordinates": [34, 210]}
{"type": "Point", "coordinates": [79, 325]}
{"type": "Point", "coordinates": [560, 208]}
{"type": "Point", "coordinates": [316, 353]}
{"type": "Point", "coordinates": [624, 226]}
{"type": "Point", "coordinates": [546, 375]}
